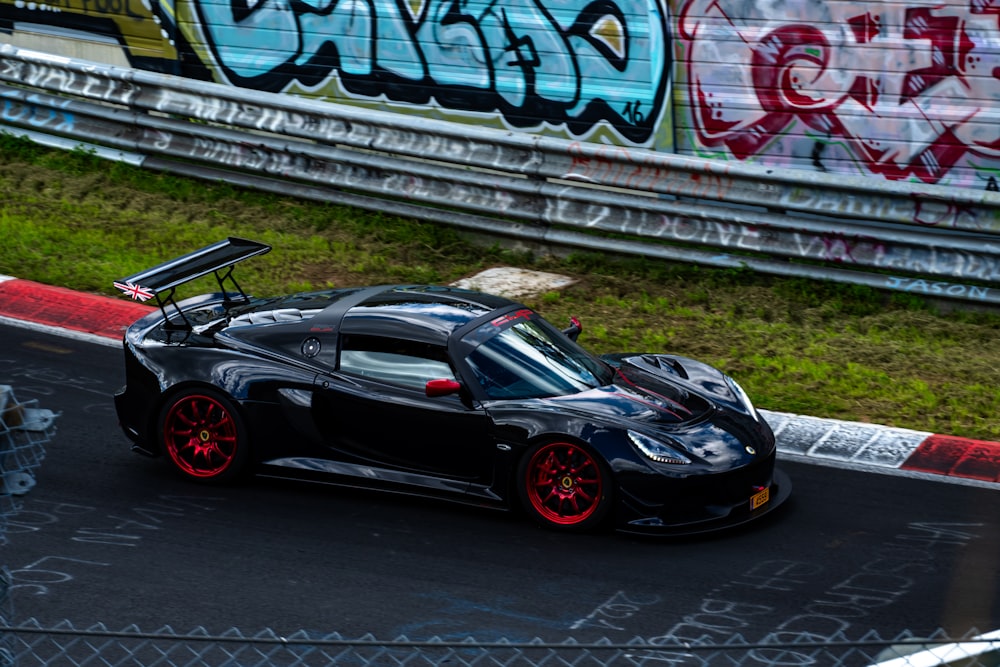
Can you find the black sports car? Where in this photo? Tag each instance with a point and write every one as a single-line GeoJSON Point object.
{"type": "Point", "coordinates": [436, 391]}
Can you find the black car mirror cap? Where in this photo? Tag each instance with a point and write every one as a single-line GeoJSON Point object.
{"type": "Point", "coordinates": [442, 387]}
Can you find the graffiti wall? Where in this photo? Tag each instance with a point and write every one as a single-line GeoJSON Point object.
{"type": "Point", "coordinates": [128, 32]}
{"type": "Point", "coordinates": [581, 69]}
{"type": "Point", "coordinates": [900, 90]}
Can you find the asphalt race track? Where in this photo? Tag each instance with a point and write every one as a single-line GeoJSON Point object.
{"type": "Point", "coordinates": [108, 536]}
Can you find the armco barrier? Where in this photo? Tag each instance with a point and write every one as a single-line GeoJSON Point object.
{"type": "Point", "coordinates": [929, 239]}
{"type": "Point", "coordinates": [32, 644]}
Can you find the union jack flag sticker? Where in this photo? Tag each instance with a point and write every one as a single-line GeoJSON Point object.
{"type": "Point", "coordinates": [137, 292]}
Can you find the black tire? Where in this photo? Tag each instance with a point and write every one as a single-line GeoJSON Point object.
{"type": "Point", "coordinates": [565, 486]}
{"type": "Point", "coordinates": [203, 435]}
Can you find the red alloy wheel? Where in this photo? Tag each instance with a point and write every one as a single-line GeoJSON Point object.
{"type": "Point", "coordinates": [565, 486]}
{"type": "Point", "coordinates": [201, 435]}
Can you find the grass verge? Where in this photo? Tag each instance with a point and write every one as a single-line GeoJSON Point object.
{"type": "Point", "coordinates": [809, 347]}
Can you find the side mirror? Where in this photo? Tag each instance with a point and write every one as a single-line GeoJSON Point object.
{"type": "Point", "coordinates": [573, 330]}
{"type": "Point", "coordinates": [442, 387]}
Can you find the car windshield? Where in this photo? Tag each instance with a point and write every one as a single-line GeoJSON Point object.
{"type": "Point", "coordinates": [531, 359]}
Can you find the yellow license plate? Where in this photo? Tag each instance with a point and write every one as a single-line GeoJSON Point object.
{"type": "Point", "coordinates": [760, 498]}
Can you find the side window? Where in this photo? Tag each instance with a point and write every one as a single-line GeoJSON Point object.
{"type": "Point", "coordinates": [406, 363]}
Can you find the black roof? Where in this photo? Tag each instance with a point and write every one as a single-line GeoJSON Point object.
{"type": "Point", "coordinates": [427, 313]}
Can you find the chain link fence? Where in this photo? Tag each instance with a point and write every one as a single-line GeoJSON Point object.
{"type": "Point", "coordinates": [33, 644]}
{"type": "Point", "coordinates": [24, 430]}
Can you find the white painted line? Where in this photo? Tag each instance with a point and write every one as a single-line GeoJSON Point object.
{"type": "Point", "coordinates": [59, 331]}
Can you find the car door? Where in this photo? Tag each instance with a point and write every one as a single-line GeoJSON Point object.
{"type": "Point", "coordinates": [375, 409]}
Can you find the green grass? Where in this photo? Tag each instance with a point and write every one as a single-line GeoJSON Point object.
{"type": "Point", "coordinates": [799, 346]}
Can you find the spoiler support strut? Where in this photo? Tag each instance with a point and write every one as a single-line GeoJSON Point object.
{"type": "Point", "coordinates": [162, 280]}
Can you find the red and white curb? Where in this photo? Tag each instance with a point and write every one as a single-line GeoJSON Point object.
{"type": "Point", "coordinates": [876, 447]}
{"type": "Point", "coordinates": [93, 317]}
{"type": "Point", "coordinates": [101, 319]}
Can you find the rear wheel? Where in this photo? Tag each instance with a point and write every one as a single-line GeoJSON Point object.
{"type": "Point", "coordinates": [204, 435]}
{"type": "Point", "coordinates": [564, 486]}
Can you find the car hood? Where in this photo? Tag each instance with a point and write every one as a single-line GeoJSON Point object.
{"type": "Point", "coordinates": [657, 390]}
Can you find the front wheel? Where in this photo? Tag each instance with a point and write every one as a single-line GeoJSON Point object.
{"type": "Point", "coordinates": [564, 486]}
{"type": "Point", "coordinates": [204, 436]}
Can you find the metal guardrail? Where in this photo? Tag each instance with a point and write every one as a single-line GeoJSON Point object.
{"type": "Point", "coordinates": [63, 644]}
{"type": "Point", "coordinates": [929, 239]}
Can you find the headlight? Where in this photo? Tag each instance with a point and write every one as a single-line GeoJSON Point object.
{"type": "Point", "coordinates": [741, 396]}
{"type": "Point", "coordinates": [656, 450]}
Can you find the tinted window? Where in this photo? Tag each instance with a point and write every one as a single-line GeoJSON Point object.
{"type": "Point", "coordinates": [530, 359]}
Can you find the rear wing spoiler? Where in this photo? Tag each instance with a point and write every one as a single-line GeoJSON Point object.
{"type": "Point", "coordinates": [162, 280]}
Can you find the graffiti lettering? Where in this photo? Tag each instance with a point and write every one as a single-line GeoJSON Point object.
{"type": "Point", "coordinates": [41, 117]}
{"type": "Point", "coordinates": [618, 167]}
{"type": "Point", "coordinates": [886, 108]}
{"type": "Point", "coordinates": [943, 214]}
{"type": "Point", "coordinates": [122, 529]}
{"type": "Point", "coordinates": [521, 60]}
{"type": "Point", "coordinates": [39, 575]}
{"type": "Point", "coordinates": [920, 286]}
{"type": "Point", "coordinates": [127, 531]}
{"type": "Point", "coordinates": [612, 613]}
{"type": "Point", "coordinates": [69, 82]}
{"type": "Point", "coordinates": [881, 582]}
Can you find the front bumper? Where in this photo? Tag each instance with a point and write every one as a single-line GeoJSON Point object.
{"type": "Point", "coordinates": [701, 513]}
